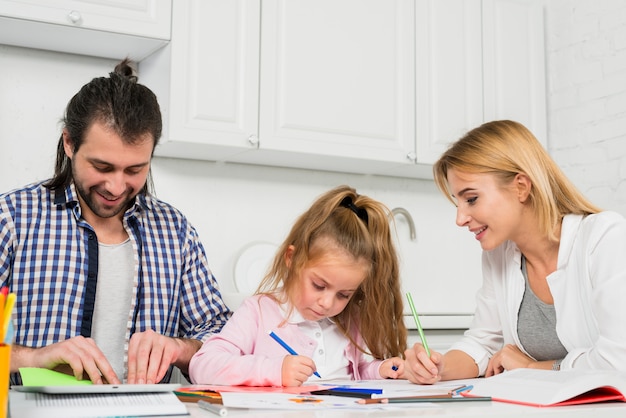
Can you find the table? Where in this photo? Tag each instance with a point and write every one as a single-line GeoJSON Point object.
{"type": "Point", "coordinates": [467, 409]}
{"type": "Point", "coordinates": [451, 409]}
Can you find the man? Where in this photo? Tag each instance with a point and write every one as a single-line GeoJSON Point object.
{"type": "Point", "coordinates": [112, 284]}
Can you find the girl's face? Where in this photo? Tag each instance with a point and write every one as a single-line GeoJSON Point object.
{"type": "Point", "coordinates": [326, 285]}
{"type": "Point", "coordinates": [490, 210]}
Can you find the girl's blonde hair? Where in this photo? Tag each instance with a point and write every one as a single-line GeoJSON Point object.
{"type": "Point", "coordinates": [360, 226]}
{"type": "Point", "coordinates": [505, 148]}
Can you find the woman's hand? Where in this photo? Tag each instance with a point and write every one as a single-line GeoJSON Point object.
{"type": "Point", "coordinates": [420, 368]}
{"type": "Point", "coordinates": [509, 358]}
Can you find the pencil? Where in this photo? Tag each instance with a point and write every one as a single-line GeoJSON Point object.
{"type": "Point", "coordinates": [286, 347]}
{"type": "Point", "coordinates": [417, 322]}
{"type": "Point", "coordinates": [373, 400]}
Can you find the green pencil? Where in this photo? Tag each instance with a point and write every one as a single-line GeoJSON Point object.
{"type": "Point", "coordinates": [417, 322]}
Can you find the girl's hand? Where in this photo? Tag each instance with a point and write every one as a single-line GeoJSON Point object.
{"type": "Point", "coordinates": [392, 368]}
{"type": "Point", "coordinates": [509, 358]}
{"type": "Point", "coordinates": [296, 370]}
{"type": "Point", "coordinates": [419, 368]}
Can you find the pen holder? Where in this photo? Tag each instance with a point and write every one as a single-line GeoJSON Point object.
{"type": "Point", "coordinates": [5, 367]}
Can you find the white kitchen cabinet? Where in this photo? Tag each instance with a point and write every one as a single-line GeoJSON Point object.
{"type": "Point", "coordinates": [133, 28]}
{"type": "Point", "coordinates": [207, 79]}
{"type": "Point", "coordinates": [337, 84]}
{"type": "Point", "coordinates": [331, 87]}
{"type": "Point", "coordinates": [477, 61]}
{"type": "Point", "coordinates": [514, 67]}
{"type": "Point", "coordinates": [372, 87]}
{"type": "Point", "coordinates": [448, 73]}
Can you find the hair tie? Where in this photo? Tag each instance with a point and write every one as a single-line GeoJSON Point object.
{"type": "Point", "coordinates": [360, 212]}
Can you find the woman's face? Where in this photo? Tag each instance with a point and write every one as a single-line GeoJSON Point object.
{"type": "Point", "coordinates": [326, 285]}
{"type": "Point", "coordinates": [490, 210]}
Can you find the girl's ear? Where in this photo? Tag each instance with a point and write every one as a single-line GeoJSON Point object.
{"type": "Point", "coordinates": [289, 255]}
{"type": "Point", "coordinates": [523, 185]}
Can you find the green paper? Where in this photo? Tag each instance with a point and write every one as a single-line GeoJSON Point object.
{"type": "Point", "coordinates": [34, 376]}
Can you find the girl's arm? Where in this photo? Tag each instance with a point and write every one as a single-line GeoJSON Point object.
{"type": "Point", "coordinates": [232, 357]}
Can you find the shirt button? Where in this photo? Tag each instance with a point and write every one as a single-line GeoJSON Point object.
{"type": "Point", "coordinates": [318, 334]}
{"type": "Point", "coordinates": [320, 351]}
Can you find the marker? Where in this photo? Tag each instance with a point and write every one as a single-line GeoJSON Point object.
{"type": "Point", "coordinates": [417, 322]}
{"type": "Point", "coordinates": [215, 408]}
{"type": "Point", "coordinates": [6, 320]}
{"type": "Point", "coordinates": [286, 347]}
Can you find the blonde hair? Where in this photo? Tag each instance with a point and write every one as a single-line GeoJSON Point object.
{"type": "Point", "coordinates": [360, 226]}
{"type": "Point", "coordinates": [505, 148]}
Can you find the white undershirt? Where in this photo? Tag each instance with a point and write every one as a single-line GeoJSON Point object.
{"type": "Point", "coordinates": [329, 355]}
{"type": "Point", "coordinates": [112, 306]}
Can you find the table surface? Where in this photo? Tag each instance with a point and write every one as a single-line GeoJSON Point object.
{"type": "Point", "coordinates": [448, 409]}
{"type": "Point", "coordinates": [461, 409]}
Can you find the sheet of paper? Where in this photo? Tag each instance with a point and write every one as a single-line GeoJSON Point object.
{"type": "Point", "coordinates": [286, 401]}
{"type": "Point", "coordinates": [400, 388]}
{"type": "Point", "coordinates": [34, 376]}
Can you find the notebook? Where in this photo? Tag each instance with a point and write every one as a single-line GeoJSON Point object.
{"type": "Point", "coordinates": [86, 405]}
{"type": "Point", "coordinates": [549, 388]}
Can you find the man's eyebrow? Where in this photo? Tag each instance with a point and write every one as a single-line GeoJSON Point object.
{"type": "Point", "coordinates": [99, 161]}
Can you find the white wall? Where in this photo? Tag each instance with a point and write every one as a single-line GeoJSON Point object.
{"type": "Point", "coordinates": [232, 205]}
{"type": "Point", "coordinates": [587, 98]}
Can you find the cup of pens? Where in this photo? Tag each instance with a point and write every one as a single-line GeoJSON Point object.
{"type": "Point", "coordinates": [7, 300]}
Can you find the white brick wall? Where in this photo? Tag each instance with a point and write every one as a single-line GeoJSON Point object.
{"type": "Point", "coordinates": [586, 59]}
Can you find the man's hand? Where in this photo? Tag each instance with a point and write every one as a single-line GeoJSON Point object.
{"type": "Point", "coordinates": [77, 356]}
{"type": "Point", "coordinates": [151, 354]}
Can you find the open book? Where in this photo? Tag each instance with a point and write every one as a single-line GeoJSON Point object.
{"type": "Point", "coordinates": [549, 388]}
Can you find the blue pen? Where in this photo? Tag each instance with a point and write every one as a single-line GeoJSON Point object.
{"type": "Point", "coordinates": [286, 347]}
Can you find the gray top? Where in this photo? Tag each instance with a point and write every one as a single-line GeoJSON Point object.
{"type": "Point", "coordinates": [114, 291]}
{"type": "Point", "coordinates": [536, 326]}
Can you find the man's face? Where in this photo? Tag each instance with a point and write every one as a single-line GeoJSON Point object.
{"type": "Point", "coordinates": [108, 173]}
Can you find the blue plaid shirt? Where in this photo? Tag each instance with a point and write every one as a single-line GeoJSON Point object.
{"type": "Point", "coordinates": [48, 257]}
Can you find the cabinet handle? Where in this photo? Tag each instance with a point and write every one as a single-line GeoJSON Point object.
{"type": "Point", "coordinates": [253, 140]}
{"type": "Point", "coordinates": [411, 156]}
{"type": "Point", "coordinates": [75, 17]}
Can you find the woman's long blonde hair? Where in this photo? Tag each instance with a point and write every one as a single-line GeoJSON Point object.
{"type": "Point", "coordinates": [505, 148]}
{"type": "Point", "coordinates": [360, 226]}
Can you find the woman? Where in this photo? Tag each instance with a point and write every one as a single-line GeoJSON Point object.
{"type": "Point", "coordinates": [554, 265]}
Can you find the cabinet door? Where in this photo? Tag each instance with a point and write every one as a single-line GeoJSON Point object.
{"type": "Point", "coordinates": [514, 53]}
{"type": "Point", "coordinates": [148, 18]}
{"type": "Point", "coordinates": [448, 73]}
{"type": "Point", "coordinates": [211, 105]}
{"type": "Point", "coordinates": [337, 80]}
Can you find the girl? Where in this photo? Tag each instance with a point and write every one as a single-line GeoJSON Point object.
{"type": "Point", "coordinates": [554, 272]}
{"type": "Point", "coordinates": [332, 294]}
